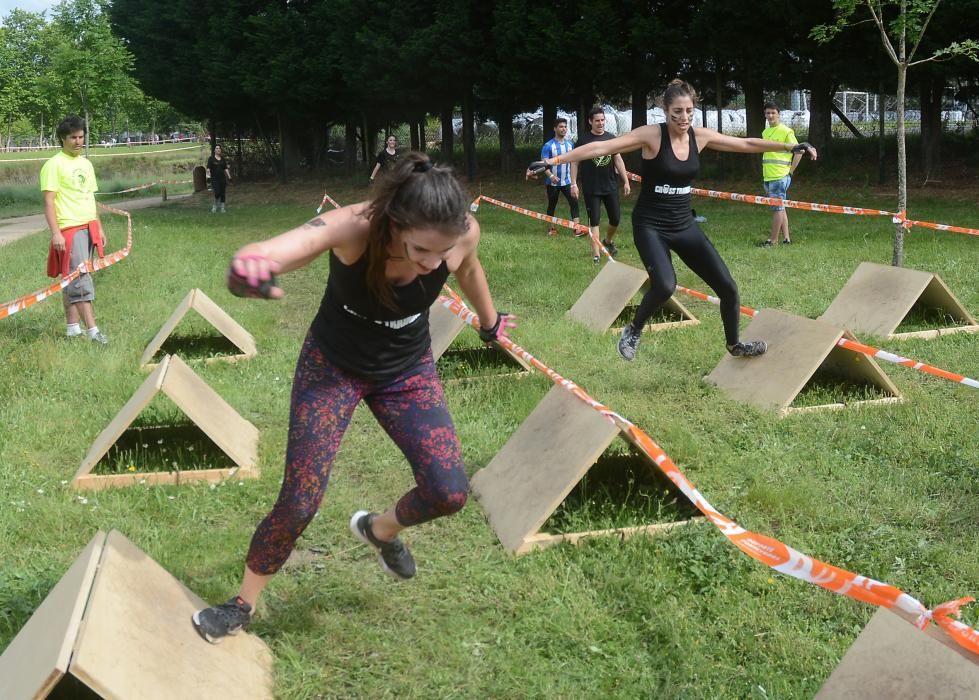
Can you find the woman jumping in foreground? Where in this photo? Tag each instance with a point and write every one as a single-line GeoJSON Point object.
{"type": "Point", "coordinates": [370, 340]}
{"type": "Point", "coordinates": [662, 220]}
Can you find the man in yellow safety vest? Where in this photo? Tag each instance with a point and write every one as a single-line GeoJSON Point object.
{"type": "Point", "coordinates": [777, 169]}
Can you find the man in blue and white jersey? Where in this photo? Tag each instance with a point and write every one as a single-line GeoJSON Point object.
{"type": "Point", "coordinates": [557, 178]}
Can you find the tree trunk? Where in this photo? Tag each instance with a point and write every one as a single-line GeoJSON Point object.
{"type": "Point", "coordinates": [881, 143]}
{"type": "Point", "coordinates": [212, 128]}
{"type": "Point", "coordinates": [931, 126]}
{"type": "Point", "coordinates": [365, 156]}
{"type": "Point", "coordinates": [88, 135]}
{"type": "Point", "coordinates": [422, 141]}
{"type": "Point", "coordinates": [820, 111]}
{"type": "Point", "coordinates": [547, 123]}
{"type": "Point", "coordinates": [902, 166]}
{"type": "Point", "coordinates": [350, 147]}
{"type": "Point", "coordinates": [469, 134]}
{"type": "Point", "coordinates": [372, 146]}
{"type": "Point", "coordinates": [719, 92]}
{"type": "Point", "coordinates": [448, 136]}
{"type": "Point", "coordinates": [507, 148]}
{"type": "Point", "coordinates": [413, 134]}
{"type": "Point", "coordinates": [754, 107]}
{"type": "Point", "coordinates": [638, 107]}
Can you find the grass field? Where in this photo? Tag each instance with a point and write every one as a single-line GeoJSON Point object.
{"type": "Point", "coordinates": [891, 492]}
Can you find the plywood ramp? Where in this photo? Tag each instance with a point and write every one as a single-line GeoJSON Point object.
{"type": "Point", "coordinates": [877, 298]}
{"type": "Point", "coordinates": [612, 291]}
{"type": "Point", "coordinates": [798, 348]}
{"type": "Point", "coordinates": [892, 660]}
{"type": "Point", "coordinates": [132, 639]}
{"type": "Point", "coordinates": [539, 466]}
{"type": "Point", "coordinates": [213, 314]}
{"type": "Point", "coordinates": [234, 435]}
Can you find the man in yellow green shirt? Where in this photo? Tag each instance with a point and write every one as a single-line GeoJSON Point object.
{"type": "Point", "coordinates": [68, 184]}
{"type": "Point", "coordinates": [777, 170]}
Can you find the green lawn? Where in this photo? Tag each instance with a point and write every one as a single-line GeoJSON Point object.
{"type": "Point", "coordinates": [891, 492]}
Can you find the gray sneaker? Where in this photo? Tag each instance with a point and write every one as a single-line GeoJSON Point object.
{"type": "Point", "coordinates": [213, 624]}
{"type": "Point", "coordinates": [394, 556]}
{"type": "Point", "coordinates": [749, 348]}
{"type": "Point", "coordinates": [99, 338]}
{"type": "Point", "coordinates": [629, 342]}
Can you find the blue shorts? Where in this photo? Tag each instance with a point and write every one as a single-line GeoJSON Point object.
{"type": "Point", "coordinates": [778, 189]}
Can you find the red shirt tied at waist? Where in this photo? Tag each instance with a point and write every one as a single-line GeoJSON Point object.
{"type": "Point", "coordinates": [59, 261]}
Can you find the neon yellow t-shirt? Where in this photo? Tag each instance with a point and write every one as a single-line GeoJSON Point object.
{"type": "Point", "coordinates": [72, 179]}
{"type": "Point", "coordinates": [776, 164]}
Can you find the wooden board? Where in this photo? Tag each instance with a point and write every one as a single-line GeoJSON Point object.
{"type": "Point", "coordinates": [137, 640]}
{"type": "Point", "coordinates": [539, 465]}
{"type": "Point", "coordinates": [38, 656]}
{"type": "Point", "coordinates": [797, 348]}
{"type": "Point", "coordinates": [444, 327]}
{"type": "Point", "coordinates": [877, 298]}
{"type": "Point", "coordinates": [213, 314]}
{"type": "Point", "coordinates": [611, 291]}
{"type": "Point", "coordinates": [892, 660]}
{"type": "Point", "coordinates": [234, 435]}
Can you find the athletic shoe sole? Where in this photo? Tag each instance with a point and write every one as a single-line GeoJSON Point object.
{"type": "Point", "coordinates": [195, 618]}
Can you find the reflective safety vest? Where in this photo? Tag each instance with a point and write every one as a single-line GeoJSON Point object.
{"type": "Point", "coordinates": [776, 164]}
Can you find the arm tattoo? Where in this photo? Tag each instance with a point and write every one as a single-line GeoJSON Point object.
{"type": "Point", "coordinates": [314, 222]}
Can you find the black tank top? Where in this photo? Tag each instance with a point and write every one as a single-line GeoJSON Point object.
{"type": "Point", "coordinates": [666, 183]}
{"type": "Point", "coordinates": [363, 336]}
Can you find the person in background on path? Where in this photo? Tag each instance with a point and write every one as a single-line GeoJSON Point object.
{"type": "Point", "coordinates": [220, 173]}
{"type": "Point", "coordinates": [598, 184]}
{"type": "Point", "coordinates": [777, 168]}
{"type": "Point", "coordinates": [662, 221]}
{"type": "Point", "coordinates": [370, 341]}
{"type": "Point", "coordinates": [558, 179]}
{"type": "Point", "coordinates": [387, 157]}
{"type": "Point", "coordinates": [69, 186]}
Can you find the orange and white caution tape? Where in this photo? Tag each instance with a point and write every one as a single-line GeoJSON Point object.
{"type": "Point", "coordinates": [28, 300]}
{"type": "Point", "coordinates": [580, 228]}
{"type": "Point", "coordinates": [327, 198]}
{"type": "Point", "coordinates": [767, 550]}
{"type": "Point", "coordinates": [896, 217]}
{"type": "Point", "coordinates": [102, 155]}
{"type": "Point", "coordinates": [147, 186]}
{"type": "Point", "coordinates": [861, 348]}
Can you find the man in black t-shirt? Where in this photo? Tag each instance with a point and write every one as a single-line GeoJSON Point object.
{"type": "Point", "coordinates": [598, 185]}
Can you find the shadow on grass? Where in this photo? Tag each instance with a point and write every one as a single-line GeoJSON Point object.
{"type": "Point", "coordinates": [620, 490]}
{"type": "Point", "coordinates": [197, 347]}
{"type": "Point", "coordinates": [477, 363]}
{"type": "Point", "coordinates": [162, 448]}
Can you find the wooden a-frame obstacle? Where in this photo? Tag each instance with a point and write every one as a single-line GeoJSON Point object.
{"type": "Point", "coordinates": [234, 435]}
{"type": "Point", "coordinates": [119, 623]}
{"type": "Point", "coordinates": [877, 298]}
{"type": "Point", "coordinates": [612, 291]}
{"type": "Point", "coordinates": [891, 660]}
{"type": "Point", "coordinates": [798, 348]}
{"type": "Point", "coordinates": [539, 466]}
{"type": "Point", "coordinates": [213, 314]}
{"type": "Point", "coordinates": [445, 327]}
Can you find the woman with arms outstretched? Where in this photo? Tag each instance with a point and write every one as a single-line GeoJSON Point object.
{"type": "Point", "coordinates": [662, 220]}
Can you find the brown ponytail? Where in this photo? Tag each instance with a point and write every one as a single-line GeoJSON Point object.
{"type": "Point", "coordinates": [413, 194]}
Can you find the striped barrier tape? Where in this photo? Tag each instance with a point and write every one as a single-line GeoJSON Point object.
{"type": "Point", "coordinates": [28, 300]}
{"type": "Point", "coordinates": [147, 186]}
{"type": "Point", "coordinates": [474, 207]}
{"type": "Point", "coordinates": [327, 198]}
{"type": "Point", "coordinates": [767, 550]}
{"type": "Point", "coordinates": [854, 346]}
{"type": "Point", "coordinates": [897, 218]}
{"type": "Point", "coordinates": [845, 343]}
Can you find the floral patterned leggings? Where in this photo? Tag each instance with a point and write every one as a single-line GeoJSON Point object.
{"type": "Point", "coordinates": [410, 407]}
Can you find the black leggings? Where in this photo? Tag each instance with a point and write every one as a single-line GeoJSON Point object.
{"type": "Point", "coordinates": [693, 247]}
{"type": "Point", "coordinates": [552, 193]}
{"type": "Point", "coordinates": [593, 204]}
{"type": "Point", "coordinates": [218, 186]}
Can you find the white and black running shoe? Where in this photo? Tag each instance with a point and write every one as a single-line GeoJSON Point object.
{"type": "Point", "coordinates": [394, 556]}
